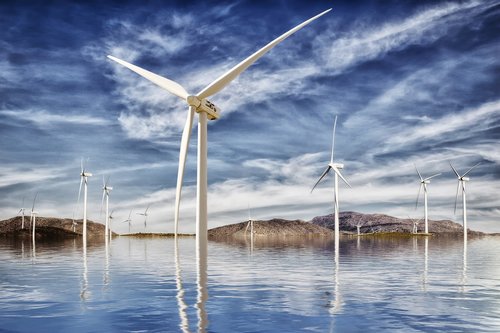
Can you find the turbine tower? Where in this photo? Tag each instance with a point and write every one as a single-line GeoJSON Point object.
{"type": "Point", "coordinates": [423, 184]}
{"type": "Point", "coordinates": [336, 167]}
{"type": "Point", "coordinates": [22, 211]}
{"type": "Point", "coordinates": [145, 214]}
{"type": "Point", "coordinates": [84, 179]}
{"type": "Point", "coordinates": [461, 183]}
{"type": "Point", "coordinates": [105, 194]}
{"type": "Point", "coordinates": [200, 104]}
{"type": "Point", "coordinates": [33, 218]}
{"type": "Point", "coordinates": [110, 219]}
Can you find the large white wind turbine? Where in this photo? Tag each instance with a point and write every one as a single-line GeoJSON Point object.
{"type": "Point", "coordinates": [200, 104]}
{"type": "Point", "coordinates": [33, 218]}
{"type": "Point", "coordinates": [415, 223]}
{"type": "Point", "coordinates": [423, 183]}
{"type": "Point", "coordinates": [461, 183]}
{"type": "Point", "coordinates": [105, 195]}
{"type": "Point", "coordinates": [84, 179]}
{"type": "Point", "coordinates": [145, 214]}
{"type": "Point", "coordinates": [336, 167]}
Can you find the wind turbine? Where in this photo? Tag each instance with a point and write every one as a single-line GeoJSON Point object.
{"type": "Point", "coordinates": [105, 194]}
{"type": "Point", "coordinates": [145, 214]}
{"type": "Point", "coordinates": [414, 225]}
{"type": "Point", "coordinates": [33, 218]}
{"type": "Point", "coordinates": [461, 183]}
{"type": "Point", "coordinates": [84, 179]}
{"type": "Point", "coordinates": [128, 220]}
{"type": "Point", "coordinates": [336, 167]}
{"type": "Point", "coordinates": [423, 183]}
{"type": "Point", "coordinates": [200, 104]}
{"type": "Point", "coordinates": [21, 211]}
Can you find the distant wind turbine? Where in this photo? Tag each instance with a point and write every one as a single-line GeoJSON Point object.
{"type": "Point", "coordinates": [21, 211]}
{"type": "Point", "coordinates": [461, 183]}
{"type": "Point", "coordinates": [200, 104]}
{"type": "Point", "coordinates": [145, 214]}
{"type": "Point", "coordinates": [105, 194]}
{"type": "Point", "coordinates": [129, 221]}
{"type": "Point", "coordinates": [414, 225]}
{"type": "Point", "coordinates": [336, 167]}
{"type": "Point", "coordinates": [84, 179]}
{"type": "Point", "coordinates": [33, 217]}
{"type": "Point", "coordinates": [423, 183]}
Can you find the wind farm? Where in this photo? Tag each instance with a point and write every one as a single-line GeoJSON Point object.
{"type": "Point", "coordinates": [322, 120]}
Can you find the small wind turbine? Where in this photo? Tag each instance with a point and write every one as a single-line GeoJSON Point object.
{"type": "Point", "coordinates": [461, 183]}
{"type": "Point", "coordinates": [84, 179]}
{"type": "Point", "coordinates": [200, 104]}
{"type": "Point", "coordinates": [414, 225]}
{"type": "Point", "coordinates": [249, 224]}
{"type": "Point", "coordinates": [21, 211]}
{"type": "Point", "coordinates": [336, 167]}
{"type": "Point", "coordinates": [145, 214]}
{"type": "Point", "coordinates": [105, 194]}
{"type": "Point", "coordinates": [129, 221]}
{"type": "Point", "coordinates": [33, 218]}
{"type": "Point", "coordinates": [423, 183]}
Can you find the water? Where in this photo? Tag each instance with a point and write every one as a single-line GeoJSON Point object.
{"type": "Point", "coordinates": [141, 285]}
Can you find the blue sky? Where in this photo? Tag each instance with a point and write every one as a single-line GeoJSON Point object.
{"type": "Point", "coordinates": [411, 82]}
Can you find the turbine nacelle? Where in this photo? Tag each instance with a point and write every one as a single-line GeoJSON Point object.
{"type": "Point", "coordinates": [425, 182]}
{"type": "Point", "coordinates": [86, 174]}
{"type": "Point", "coordinates": [336, 165]}
{"type": "Point", "coordinates": [464, 179]}
{"type": "Point", "coordinates": [204, 105]}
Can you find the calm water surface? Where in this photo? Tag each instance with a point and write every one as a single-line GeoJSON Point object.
{"type": "Point", "coordinates": [150, 285]}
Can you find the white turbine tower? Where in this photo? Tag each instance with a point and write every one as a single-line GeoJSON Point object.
{"type": "Point", "coordinates": [110, 219]}
{"type": "Point", "coordinates": [129, 221]}
{"type": "Point", "coordinates": [33, 218]}
{"type": "Point", "coordinates": [336, 167]}
{"type": "Point", "coordinates": [461, 183]}
{"type": "Point", "coordinates": [145, 214]}
{"type": "Point", "coordinates": [198, 103]}
{"type": "Point", "coordinates": [22, 211]}
{"type": "Point", "coordinates": [105, 195]}
{"type": "Point", "coordinates": [84, 179]}
{"type": "Point", "coordinates": [423, 183]}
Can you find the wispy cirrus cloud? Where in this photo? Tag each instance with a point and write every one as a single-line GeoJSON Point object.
{"type": "Point", "coordinates": [47, 119]}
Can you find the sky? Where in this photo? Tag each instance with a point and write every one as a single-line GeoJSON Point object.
{"type": "Point", "coordinates": [412, 83]}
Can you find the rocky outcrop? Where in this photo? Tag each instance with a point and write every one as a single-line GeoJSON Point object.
{"type": "Point", "coordinates": [378, 223]}
{"type": "Point", "coordinates": [274, 227]}
{"type": "Point", "coordinates": [50, 227]}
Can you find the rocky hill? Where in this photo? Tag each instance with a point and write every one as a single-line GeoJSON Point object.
{"type": "Point", "coordinates": [377, 223]}
{"type": "Point", "coordinates": [274, 227]}
{"type": "Point", "coordinates": [50, 227]}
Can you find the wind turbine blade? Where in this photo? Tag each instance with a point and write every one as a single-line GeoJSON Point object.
{"type": "Point", "coordinates": [145, 213]}
{"type": "Point", "coordinates": [80, 190]}
{"type": "Point", "coordinates": [456, 197]}
{"type": "Point", "coordinates": [186, 135]}
{"type": "Point", "coordinates": [34, 200]}
{"type": "Point", "coordinates": [455, 171]}
{"type": "Point", "coordinates": [470, 169]}
{"type": "Point", "coordinates": [437, 174]}
{"type": "Point", "coordinates": [418, 195]}
{"type": "Point", "coordinates": [337, 171]}
{"type": "Point", "coordinates": [229, 76]}
{"type": "Point", "coordinates": [81, 164]}
{"type": "Point", "coordinates": [169, 85]}
{"type": "Point", "coordinates": [129, 214]}
{"type": "Point", "coordinates": [333, 139]}
{"type": "Point", "coordinates": [322, 175]}
{"type": "Point", "coordinates": [419, 175]}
